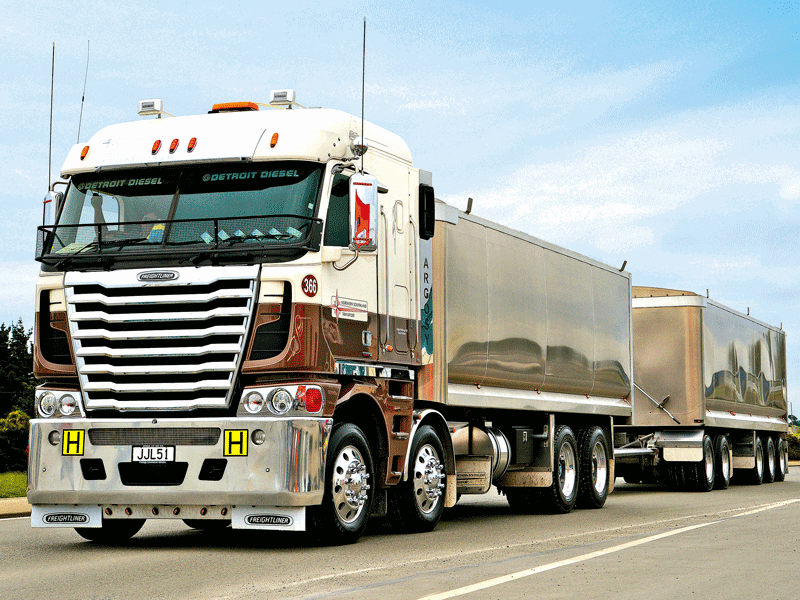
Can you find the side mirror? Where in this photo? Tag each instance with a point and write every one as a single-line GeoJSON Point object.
{"type": "Point", "coordinates": [364, 211]}
{"type": "Point", "coordinates": [427, 212]}
{"type": "Point", "coordinates": [52, 202]}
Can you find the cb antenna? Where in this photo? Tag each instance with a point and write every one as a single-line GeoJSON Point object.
{"type": "Point", "coordinates": [363, 78]}
{"type": "Point", "coordinates": [50, 147]}
{"type": "Point", "coordinates": [83, 98]}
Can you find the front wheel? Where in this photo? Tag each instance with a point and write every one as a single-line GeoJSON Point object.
{"type": "Point", "coordinates": [342, 517]}
{"type": "Point", "coordinates": [594, 468]}
{"type": "Point", "coordinates": [113, 531]}
{"type": "Point", "coordinates": [416, 505]}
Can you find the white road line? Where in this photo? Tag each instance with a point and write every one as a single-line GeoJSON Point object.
{"type": "Point", "coordinates": [476, 587]}
{"type": "Point", "coordinates": [462, 554]}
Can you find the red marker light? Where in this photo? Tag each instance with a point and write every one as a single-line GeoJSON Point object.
{"type": "Point", "coordinates": [313, 400]}
{"type": "Point", "coordinates": [173, 146]}
{"type": "Point", "coordinates": [274, 140]}
{"type": "Point", "coordinates": [192, 144]}
{"type": "Point", "coordinates": [156, 146]}
{"type": "Point", "coordinates": [84, 152]}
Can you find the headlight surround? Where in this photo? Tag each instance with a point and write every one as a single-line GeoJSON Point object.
{"type": "Point", "coordinates": [253, 402]}
{"type": "Point", "coordinates": [47, 404]}
{"type": "Point", "coordinates": [67, 404]}
{"type": "Point", "coordinates": [281, 402]}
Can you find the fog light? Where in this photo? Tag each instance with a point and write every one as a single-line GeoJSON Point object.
{"type": "Point", "coordinates": [253, 402]}
{"type": "Point", "coordinates": [68, 404]}
{"type": "Point", "coordinates": [281, 402]}
{"type": "Point", "coordinates": [54, 437]}
{"type": "Point", "coordinates": [47, 404]}
{"type": "Point", "coordinates": [258, 437]}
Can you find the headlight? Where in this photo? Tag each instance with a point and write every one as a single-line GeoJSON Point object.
{"type": "Point", "coordinates": [47, 404]}
{"type": "Point", "coordinates": [281, 402]}
{"type": "Point", "coordinates": [253, 402]}
{"type": "Point", "coordinates": [67, 405]}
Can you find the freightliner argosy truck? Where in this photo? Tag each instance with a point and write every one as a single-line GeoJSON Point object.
{"type": "Point", "coordinates": [264, 319]}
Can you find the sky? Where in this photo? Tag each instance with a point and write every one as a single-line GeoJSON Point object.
{"type": "Point", "coordinates": [664, 134]}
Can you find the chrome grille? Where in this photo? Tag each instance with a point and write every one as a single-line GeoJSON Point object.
{"type": "Point", "coordinates": [165, 345]}
{"type": "Point", "coordinates": [168, 436]}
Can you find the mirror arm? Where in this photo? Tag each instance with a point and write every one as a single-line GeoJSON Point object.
{"type": "Point", "coordinates": [355, 248]}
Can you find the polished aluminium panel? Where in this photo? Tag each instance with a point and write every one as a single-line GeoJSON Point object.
{"type": "Point", "coordinates": [286, 470]}
{"type": "Point", "coordinates": [727, 369]}
{"type": "Point", "coordinates": [514, 312]}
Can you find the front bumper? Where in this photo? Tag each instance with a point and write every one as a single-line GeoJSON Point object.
{"type": "Point", "coordinates": [287, 469]}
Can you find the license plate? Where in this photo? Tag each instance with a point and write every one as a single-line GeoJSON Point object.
{"type": "Point", "coordinates": [153, 454]}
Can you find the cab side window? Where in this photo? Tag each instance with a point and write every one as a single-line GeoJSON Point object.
{"type": "Point", "coordinates": [337, 221]}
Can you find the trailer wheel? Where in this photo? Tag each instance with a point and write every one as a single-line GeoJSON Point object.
{"type": "Point", "coordinates": [769, 459]}
{"type": "Point", "coordinates": [677, 476]}
{"type": "Point", "coordinates": [416, 505]}
{"type": "Point", "coordinates": [563, 493]}
{"type": "Point", "coordinates": [342, 517]}
{"type": "Point", "coordinates": [113, 531]}
{"type": "Point", "coordinates": [756, 474]}
{"type": "Point", "coordinates": [703, 472]}
{"type": "Point", "coordinates": [722, 457]}
{"type": "Point", "coordinates": [594, 468]}
{"type": "Point", "coordinates": [781, 459]}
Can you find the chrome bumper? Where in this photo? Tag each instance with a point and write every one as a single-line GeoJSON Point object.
{"type": "Point", "coordinates": [287, 469]}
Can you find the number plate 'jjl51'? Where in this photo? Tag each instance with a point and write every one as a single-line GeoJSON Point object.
{"type": "Point", "coordinates": [153, 454]}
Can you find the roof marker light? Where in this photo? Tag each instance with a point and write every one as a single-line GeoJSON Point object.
{"type": "Point", "coordinates": [192, 144]}
{"type": "Point", "coordinates": [173, 146]}
{"type": "Point", "coordinates": [84, 152]}
{"type": "Point", "coordinates": [156, 146]}
{"type": "Point", "coordinates": [274, 140]}
{"type": "Point", "coordinates": [234, 107]}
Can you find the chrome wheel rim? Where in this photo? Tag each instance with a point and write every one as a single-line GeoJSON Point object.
{"type": "Point", "coordinates": [708, 456]}
{"type": "Point", "coordinates": [599, 467]}
{"type": "Point", "coordinates": [725, 464]}
{"type": "Point", "coordinates": [349, 484]}
{"type": "Point", "coordinates": [428, 479]}
{"type": "Point", "coordinates": [759, 461]}
{"type": "Point", "coordinates": [771, 459]}
{"type": "Point", "coordinates": [783, 458]}
{"type": "Point", "coordinates": [567, 473]}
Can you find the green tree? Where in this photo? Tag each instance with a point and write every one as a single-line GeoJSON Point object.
{"type": "Point", "coordinates": [16, 370]}
{"type": "Point", "coordinates": [14, 442]}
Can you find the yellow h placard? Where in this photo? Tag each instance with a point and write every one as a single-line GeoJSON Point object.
{"type": "Point", "coordinates": [235, 442]}
{"type": "Point", "coordinates": [72, 442]}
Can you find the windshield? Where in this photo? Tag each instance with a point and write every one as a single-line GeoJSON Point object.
{"type": "Point", "coordinates": [191, 209]}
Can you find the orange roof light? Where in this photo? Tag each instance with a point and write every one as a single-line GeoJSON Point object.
{"type": "Point", "coordinates": [156, 146]}
{"type": "Point", "coordinates": [234, 107]}
{"type": "Point", "coordinates": [173, 146]}
{"type": "Point", "coordinates": [192, 144]}
{"type": "Point", "coordinates": [84, 152]}
{"type": "Point", "coordinates": [274, 140]}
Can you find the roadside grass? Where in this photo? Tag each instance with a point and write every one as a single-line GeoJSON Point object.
{"type": "Point", "coordinates": [12, 485]}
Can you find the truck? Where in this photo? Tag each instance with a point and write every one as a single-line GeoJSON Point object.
{"type": "Point", "coordinates": [710, 398]}
{"type": "Point", "coordinates": [262, 318]}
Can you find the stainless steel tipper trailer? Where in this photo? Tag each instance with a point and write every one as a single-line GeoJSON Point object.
{"type": "Point", "coordinates": [710, 395]}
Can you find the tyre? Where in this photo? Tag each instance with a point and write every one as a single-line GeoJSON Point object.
{"type": "Point", "coordinates": [113, 531]}
{"type": "Point", "coordinates": [703, 472]}
{"type": "Point", "coordinates": [769, 459]}
{"type": "Point", "coordinates": [347, 502]}
{"type": "Point", "coordinates": [676, 476]}
{"type": "Point", "coordinates": [722, 458]}
{"type": "Point", "coordinates": [781, 459]}
{"type": "Point", "coordinates": [757, 472]}
{"type": "Point", "coordinates": [416, 505]}
{"type": "Point", "coordinates": [594, 468]}
{"type": "Point", "coordinates": [207, 524]}
{"type": "Point", "coordinates": [561, 496]}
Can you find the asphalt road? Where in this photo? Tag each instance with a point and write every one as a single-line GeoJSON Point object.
{"type": "Point", "coordinates": [647, 542]}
